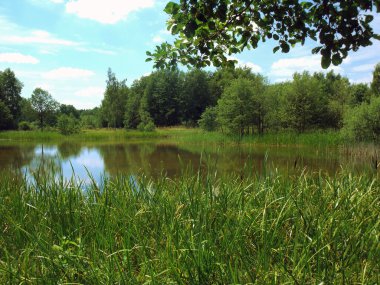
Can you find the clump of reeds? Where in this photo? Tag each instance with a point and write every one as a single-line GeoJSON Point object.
{"type": "Point", "coordinates": [199, 229]}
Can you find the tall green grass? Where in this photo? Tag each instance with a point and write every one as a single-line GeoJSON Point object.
{"type": "Point", "coordinates": [183, 135]}
{"type": "Point", "coordinates": [270, 229]}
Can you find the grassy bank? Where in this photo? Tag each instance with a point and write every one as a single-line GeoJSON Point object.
{"type": "Point", "coordinates": [88, 135]}
{"type": "Point", "coordinates": [317, 138]}
{"type": "Point", "coordinates": [181, 134]}
{"type": "Point", "coordinates": [198, 230]}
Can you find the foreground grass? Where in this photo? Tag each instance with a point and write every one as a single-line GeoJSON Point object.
{"type": "Point", "coordinates": [197, 230]}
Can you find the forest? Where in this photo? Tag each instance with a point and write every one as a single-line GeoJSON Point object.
{"type": "Point", "coordinates": [233, 101]}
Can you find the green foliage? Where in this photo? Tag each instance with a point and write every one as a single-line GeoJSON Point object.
{"type": "Point", "coordinates": [362, 123]}
{"type": "Point", "coordinates": [90, 119]}
{"type": "Point", "coordinates": [69, 110]}
{"type": "Point", "coordinates": [43, 104]}
{"type": "Point", "coordinates": [241, 106]}
{"type": "Point", "coordinates": [10, 90]}
{"type": "Point", "coordinates": [132, 114]}
{"type": "Point", "coordinates": [6, 118]}
{"type": "Point", "coordinates": [305, 104]}
{"type": "Point", "coordinates": [68, 125]}
{"type": "Point", "coordinates": [207, 32]}
{"type": "Point", "coordinates": [146, 124]}
{"type": "Point", "coordinates": [160, 97]}
{"type": "Point", "coordinates": [195, 96]}
{"type": "Point", "coordinates": [208, 120]}
{"type": "Point", "coordinates": [304, 229]}
{"type": "Point", "coordinates": [360, 93]}
{"type": "Point", "coordinates": [26, 126]}
{"type": "Point", "coordinates": [375, 85]}
{"type": "Point", "coordinates": [113, 104]}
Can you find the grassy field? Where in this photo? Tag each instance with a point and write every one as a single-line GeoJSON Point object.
{"type": "Point", "coordinates": [88, 135]}
{"type": "Point", "coordinates": [182, 135]}
{"type": "Point", "coordinates": [307, 229]}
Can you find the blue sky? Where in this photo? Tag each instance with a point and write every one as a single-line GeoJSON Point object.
{"type": "Point", "coordinates": [66, 47]}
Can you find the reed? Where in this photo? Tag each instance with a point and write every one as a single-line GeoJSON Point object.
{"type": "Point", "coordinates": [199, 229]}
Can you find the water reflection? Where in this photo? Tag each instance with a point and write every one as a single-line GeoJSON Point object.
{"type": "Point", "coordinates": [153, 159]}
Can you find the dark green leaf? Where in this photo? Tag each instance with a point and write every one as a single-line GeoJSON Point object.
{"type": "Point", "coordinates": [325, 62]}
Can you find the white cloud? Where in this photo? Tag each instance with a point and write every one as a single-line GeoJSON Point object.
{"type": "Point", "coordinates": [157, 39]}
{"type": "Point", "coordinates": [36, 37]}
{"type": "Point", "coordinates": [91, 92]}
{"type": "Point", "coordinates": [17, 58]}
{"type": "Point", "coordinates": [286, 67]}
{"type": "Point", "coordinates": [106, 12]}
{"type": "Point", "coordinates": [80, 104]}
{"type": "Point", "coordinates": [247, 64]}
{"type": "Point", "coordinates": [64, 73]}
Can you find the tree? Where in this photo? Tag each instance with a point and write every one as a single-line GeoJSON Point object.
{"type": "Point", "coordinates": [69, 110]}
{"type": "Point", "coordinates": [113, 104]}
{"type": "Point", "coordinates": [10, 90]}
{"type": "Point", "coordinates": [360, 93]}
{"type": "Point", "coordinates": [195, 96]}
{"type": "Point", "coordinates": [375, 85]}
{"type": "Point", "coordinates": [239, 108]}
{"type": "Point", "coordinates": [362, 123]}
{"type": "Point", "coordinates": [43, 104]}
{"type": "Point", "coordinates": [207, 31]}
{"type": "Point", "coordinates": [160, 99]}
{"type": "Point", "coordinates": [305, 104]}
{"type": "Point", "coordinates": [208, 120]}
{"type": "Point", "coordinates": [6, 119]}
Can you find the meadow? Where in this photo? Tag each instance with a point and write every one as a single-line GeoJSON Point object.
{"type": "Point", "coordinates": [182, 134]}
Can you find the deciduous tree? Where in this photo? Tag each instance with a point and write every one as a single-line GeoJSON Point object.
{"type": "Point", "coordinates": [207, 31]}
{"type": "Point", "coordinates": [43, 104]}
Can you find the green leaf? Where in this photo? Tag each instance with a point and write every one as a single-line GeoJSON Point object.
{"type": "Point", "coordinates": [171, 8]}
{"type": "Point", "coordinates": [325, 61]}
{"type": "Point", "coordinates": [276, 37]}
{"type": "Point", "coordinates": [148, 59]}
{"type": "Point", "coordinates": [336, 59]}
{"type": "Point", "coordinates": [276, 49]}
{"type": "Point", "coordinates": [285, 47]}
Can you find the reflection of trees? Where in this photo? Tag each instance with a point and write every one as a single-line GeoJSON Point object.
{"type": "Point", "coordinates": [150, 159]}
{"type": "Point", "coordinates": [45, 162]}
{"type": "Point", "coordinates": [125, 158]}
{"type": "Point", "coordinates": [69, 149]}
{"type": "Point", "coordinates": [15, 156]}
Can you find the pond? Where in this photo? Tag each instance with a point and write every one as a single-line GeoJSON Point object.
{"type": "Point", "coordinates": [156, 158]}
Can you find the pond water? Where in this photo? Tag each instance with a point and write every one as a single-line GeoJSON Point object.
{"type": "Point", "coordinates": [153, 158]}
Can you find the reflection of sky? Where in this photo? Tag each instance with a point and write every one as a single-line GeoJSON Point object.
{"type": "Point", "coordinates": [89, 159]}
{"type": "Point", "coordinates": [88, 164]}
{"type": "Point", "coordinates": [47, 150]}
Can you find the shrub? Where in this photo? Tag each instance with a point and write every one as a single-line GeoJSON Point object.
{"type": "Point", "coordinates": [146, 124]}
{"type": "Point", "coordinates": [26, 126]}
{"type": "Point", "coordinates": [362, 123]}
{"type": "Point", "coordinates": [68, 125]}
{"type": "Point", "coordinates": [208, 121]}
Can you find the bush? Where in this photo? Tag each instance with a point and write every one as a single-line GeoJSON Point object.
{"type": "Point", "coordinates": [26, 126]}
{"type": "Point", "coordinates": [68, 125]}
{"type": "Point", "coordinates": [208, 121]}
{"type": "Point", "coordinates": [146, 124]}
{"type": "Point", "coordinates": [362, 123]}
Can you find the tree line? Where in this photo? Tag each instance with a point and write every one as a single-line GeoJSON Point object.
{"type": "Point", "coordinates": [234, 101]}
